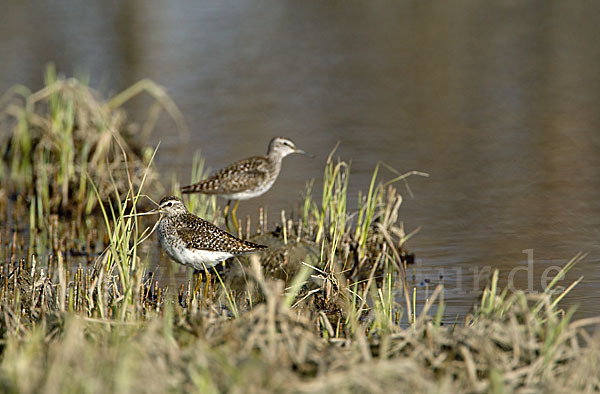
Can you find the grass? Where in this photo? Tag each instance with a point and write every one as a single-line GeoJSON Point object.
{"type": "Point", "coordinates": [274, 346]}
{"type": "Point", "coordinates": [111, 329]}
{"type": "Point", "coordinates": [53, 139]}
{"type": "Point", "coordinates": [328, 308]}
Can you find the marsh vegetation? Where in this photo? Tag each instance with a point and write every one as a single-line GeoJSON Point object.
{"type": "Point", "coordinates": [330, 306]}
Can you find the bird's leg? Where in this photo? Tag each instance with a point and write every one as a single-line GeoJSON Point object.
{"type": "Point", "coordinates": [226, 213]}
{"type": "Point", "coordinates": [235, 222]}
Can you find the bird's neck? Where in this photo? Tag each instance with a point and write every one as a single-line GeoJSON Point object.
{"type": "Point", "coordinates": [275, 159]}
{"type": "Point", "coordinates": [173, 217]}
{"type": "Point", "coordinates": [276, 156]}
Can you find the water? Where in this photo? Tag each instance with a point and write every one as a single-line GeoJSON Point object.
{"type": "Point", "coordinates": [498, 101]}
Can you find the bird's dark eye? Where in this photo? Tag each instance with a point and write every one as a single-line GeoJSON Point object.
{"type": "Point", "coordinates": [169, 204]}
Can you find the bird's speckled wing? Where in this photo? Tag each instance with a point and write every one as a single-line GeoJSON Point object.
{"type": "Point", "coordinates": [240, 176]}
{"type": "Point", "coordinates": [200, 234]}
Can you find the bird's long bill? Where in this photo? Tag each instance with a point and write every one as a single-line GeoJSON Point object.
{"type": "Point", "coordinates": [303, 153]}
{"type": "Point", "coordinates": [152, 212]}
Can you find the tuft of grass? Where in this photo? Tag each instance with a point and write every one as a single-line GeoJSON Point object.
{"type": "Point", "coordinates": [358, 251]}
{"type": "Point", "coordinates": [64, 132]}
{"type": "Point", "coordinates": [122, 253]}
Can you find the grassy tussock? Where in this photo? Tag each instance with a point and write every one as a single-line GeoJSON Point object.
{"type": "Point", "coordinates": [56, 139]}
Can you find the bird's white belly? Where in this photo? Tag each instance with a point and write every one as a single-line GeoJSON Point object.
{"type": "Point", "coordinates": [194, 258]}
{"type": "Point", "coordinates": [248, 194]}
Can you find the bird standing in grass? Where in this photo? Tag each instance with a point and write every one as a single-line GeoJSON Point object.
{"type": "Point", "coordinates": [246, 178]}
{"type": "Point", "coordinates": [192, 241]}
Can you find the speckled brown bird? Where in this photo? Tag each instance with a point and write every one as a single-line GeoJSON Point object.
{"type": "Point", "coordinates": [247, 178]}
{"type": "Point", "coordinates": [192, 241]}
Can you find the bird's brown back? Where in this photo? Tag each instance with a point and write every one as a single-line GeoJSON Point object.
{"type": "Point", "coordinates": [243, 175]}
{"type": "Point", "coordinates": [197, 233]}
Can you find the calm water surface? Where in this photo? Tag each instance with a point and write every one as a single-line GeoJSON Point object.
{"type": "Point", "coordinates": [498, 101]}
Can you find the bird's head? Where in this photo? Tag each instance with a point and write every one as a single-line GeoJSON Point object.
{"type": "Point", "coordinates": [171, 206]}
{"type": "Point", "coordinates": [281, 146]}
